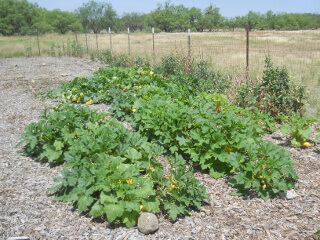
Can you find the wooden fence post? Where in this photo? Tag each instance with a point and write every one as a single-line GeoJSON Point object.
{"type": "Point", "coordinates": [85, 33]}
{"type": "Point", "coordinates": [97, 42]}
{"type": "Point", "coordinates": [38, 41]}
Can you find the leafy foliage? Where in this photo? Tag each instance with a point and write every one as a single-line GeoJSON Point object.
{"type": "Point", "coordinates": [96, 16]}
{"type": "Point", "coordinates": [215, 135]}
{"type": "Point", "coordinates": [276, 94]}
{"type": "Point", "coordinates": [298, 129]}
{"type": "Point", "coordinates": [109, 170]}
{"type": "Point", "coordinates": [49, 138]}
{"type": "Point", "coordinates": [113, 173]}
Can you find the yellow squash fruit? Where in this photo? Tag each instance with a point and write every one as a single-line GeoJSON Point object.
{"type": "Point", "coordinates": [306, 144]}
{"type": "Point", "coordinates": [89, 102]}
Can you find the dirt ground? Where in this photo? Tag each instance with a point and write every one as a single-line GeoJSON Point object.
{"type": "Point", "coordinates": [27, 210]}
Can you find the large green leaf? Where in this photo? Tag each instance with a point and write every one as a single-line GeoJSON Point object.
{"type": "Point", "coordinates": [113, 211]}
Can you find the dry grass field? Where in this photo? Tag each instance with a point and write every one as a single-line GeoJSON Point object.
{"type": "Point", "coordinates": [298, 51]}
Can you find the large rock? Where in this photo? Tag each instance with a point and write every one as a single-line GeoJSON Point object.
{"type": "Point", "coordinates": [148, 223]}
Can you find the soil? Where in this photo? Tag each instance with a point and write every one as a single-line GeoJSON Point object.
{"type": "Point", "coordinates": [27, 210]}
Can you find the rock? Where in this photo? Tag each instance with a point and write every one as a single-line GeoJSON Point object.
{"type": "Point", "coordinates": [63, 74]}
{"type": "Point", "coordinates": [148, 223]}
{"type": "Point", "coordinates": [291, 194]}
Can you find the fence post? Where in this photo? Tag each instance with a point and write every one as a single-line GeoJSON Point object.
{"type": "Point", "coordinates": [189, 43]}
{"type": "Point", "coordinates": [153, 49]}
{"type": "Point", "coordinates": [85, 33]}
{"type": "Point", "coordinates": [76, 38]}
{"type": "Point", "coordinates": [97, 42]}
{"type": "Point", "coordinates": [38, 42]}
{"type": "Point", "coordinates": [247, 49]}
{"type": "Point", "coordinates": [129, 40]}
{"type": "Point", "coordinates": [110, 38]}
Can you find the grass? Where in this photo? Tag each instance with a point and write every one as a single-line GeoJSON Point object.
{"type": "Point", "coordinates": [298, 51]}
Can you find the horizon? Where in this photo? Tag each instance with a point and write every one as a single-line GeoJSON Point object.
{"type": "Point", "coordinates": [228, 8]}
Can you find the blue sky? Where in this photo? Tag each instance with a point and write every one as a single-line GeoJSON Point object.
{"type": "Point", "coordinates": [228, 8]}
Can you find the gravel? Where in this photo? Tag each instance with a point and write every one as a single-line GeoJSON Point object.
{"type": "Point", "coordinates": [26, 210]}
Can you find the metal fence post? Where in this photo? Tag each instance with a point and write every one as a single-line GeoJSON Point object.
{"type": "Point", "coordinates": [110, 38]}
{"type": "Point", "coordinates": [129, 40]}
{"type": "Point", "coordinates": [189, 43]}
{"type": "Point", "coordinates": [247, 49]}
{"type": "Point", "coordinates": [153, 49]}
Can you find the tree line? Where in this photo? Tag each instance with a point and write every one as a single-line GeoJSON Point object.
{"type": "Point", "coordinates": [19, 17]}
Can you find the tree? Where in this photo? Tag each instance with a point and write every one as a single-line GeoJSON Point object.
{"type": "Point", "coordinates": [42, 23]}
{"type": "Point", "coordinates": [62, 21]}
{"type": "Point", "coordinates": [96, 16]}
{"type": "Point", "coordinates": [162, 17]}
{"type": "Point", "coordinates": [196, 19]}
{"type": "Point", "coordinates": [16, 17]}
{"type": "Point", "coordinates": [133, 20]}
{"type": "Point", "coordinates": [212, 18]}
{"type": "Point", "coordinates": [168, 17]}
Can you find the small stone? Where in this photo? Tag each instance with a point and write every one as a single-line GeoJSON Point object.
{"type": "Point", "coordinates": [43, 64]}
{"type": "Point", "coordinates": [63, 74]}
{"type": "Point", "coordinates": [148, 223]}
{"type": "Point", "coordinates": [18, 238]}
{"type": "Point", "coordinates": [291, 194]}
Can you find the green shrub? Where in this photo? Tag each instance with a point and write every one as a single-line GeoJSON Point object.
{"type": "Point", "coordinates": [275, 94]}
{"type": "Point", "coordinates": [196, 72]}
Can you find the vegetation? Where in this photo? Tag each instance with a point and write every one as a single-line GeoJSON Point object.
{"type": "Point", "coordinates": [113, 173]}
{"type": "Point", "coordinates": [276, 94]}
{"type": "Point", "coordinates": [96, 16]}
{"type": "Point", "coordinates": [22, 17]}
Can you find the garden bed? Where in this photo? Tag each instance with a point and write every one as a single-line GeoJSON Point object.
{"type": "Point", "coordinates": [27, 210]}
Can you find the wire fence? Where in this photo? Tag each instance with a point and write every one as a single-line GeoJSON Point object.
{"type": "Point", "coordinates": [232, 52]}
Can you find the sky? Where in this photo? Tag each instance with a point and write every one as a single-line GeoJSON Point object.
{"type": "Point", "coordinates": [228, 8]}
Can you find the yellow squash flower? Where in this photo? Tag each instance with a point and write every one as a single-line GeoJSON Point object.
{"type": "Point", "coordinates": [142, 208]}
{"type": "Point", "coordinates": [173, 187]}
{"type": "Point", "coordinates": [130, 181]}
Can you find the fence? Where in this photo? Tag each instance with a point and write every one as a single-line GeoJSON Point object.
{"type": "Point", "coordinates": [229, 51]}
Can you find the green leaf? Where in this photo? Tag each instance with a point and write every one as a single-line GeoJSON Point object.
{"type": "Point", "coordinates": [107, 198]}
{"type": "Point", "coordinates": [50, 153]}
{"type": "Point", "coordinates": [58, 145]}
{"type": "Point", "coordinates": [96, 210]}
{"type": "Point", "coordinates": [133, 154]}
{"type": "Point", "coordinates": [84, 202]}
{"type": "Point", "coordinates": [151, 204]}
{"type": "Point", "coordinates": [130, 218]}
{"type": "Point", "coordinates": [113, 211]}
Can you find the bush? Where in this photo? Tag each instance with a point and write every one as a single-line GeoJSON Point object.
{"type": "Point", "coordinates": [275, 94]}
{"type": "Point", "coordinates": [195, 72]}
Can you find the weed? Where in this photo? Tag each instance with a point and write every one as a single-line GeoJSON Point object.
{"type": "Point", "coordinates": [275, 94]}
